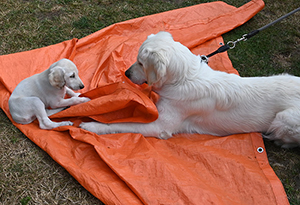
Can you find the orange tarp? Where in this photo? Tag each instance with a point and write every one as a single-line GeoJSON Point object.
{"type": "Point", "coordinates": [129, 168]}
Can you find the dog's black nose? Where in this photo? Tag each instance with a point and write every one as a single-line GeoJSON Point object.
{"type": "Point", "coordinates": [127, 73]}
{"type": "Point", "coordinates": [81, 86]}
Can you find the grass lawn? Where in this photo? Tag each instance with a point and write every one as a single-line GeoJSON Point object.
{"type": "Point", "coordinates": [29, 176]}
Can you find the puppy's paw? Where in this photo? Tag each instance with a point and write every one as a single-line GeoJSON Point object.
{"type": "Point", "coordinates": [51, 125]}
{"type": "Point", "coordinates": [96, 127]}
{"type": "Point", "coordinates": [84, 99]}
{"type": "Point", "coordinates": [65, 123]}
{"type": "Point", "coordinates": [79, 100]}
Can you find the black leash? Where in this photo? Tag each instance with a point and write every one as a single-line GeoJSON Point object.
{"type": "Point", "coordinates": [245, 37]}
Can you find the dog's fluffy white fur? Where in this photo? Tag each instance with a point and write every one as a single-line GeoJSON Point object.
{"type": "Point", "coordinates": [197, 99]}
{"type": "Point", "coordinates": [32, 96]}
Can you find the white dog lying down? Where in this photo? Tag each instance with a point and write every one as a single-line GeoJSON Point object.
{"type": "Point", "coordinates": [35, 94]}
{"type": "Point", "coordinates": [196, 99]}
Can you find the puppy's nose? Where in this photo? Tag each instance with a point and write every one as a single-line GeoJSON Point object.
{"type": "Point", "coordinates": [81, 86]}
{"type": "Point", "coordinates": [127, 73]}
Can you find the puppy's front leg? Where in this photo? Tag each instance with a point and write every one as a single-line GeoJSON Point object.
{"type": "Point", "coordinates": [71, 93]}
{"type": "Point", "coordinates": [70, 101]}
{"type": "Point", "coordinates": [152, 129]}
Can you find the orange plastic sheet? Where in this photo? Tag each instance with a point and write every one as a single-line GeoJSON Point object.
{"type": "Point", "coordinates": [129, 168]}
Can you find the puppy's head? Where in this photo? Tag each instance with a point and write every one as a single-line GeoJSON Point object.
{"type": "Point", "coordinates": [64, 73]}
{"type": "Point", "coordinates": [152, 61]}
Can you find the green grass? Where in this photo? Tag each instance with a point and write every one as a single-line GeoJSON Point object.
{"type": "Point", "coordinates": [29, 176]}
{"type": "Point", "coordinates": [274, 50]}
{"type": "Point", "coordinates": [25, 200]}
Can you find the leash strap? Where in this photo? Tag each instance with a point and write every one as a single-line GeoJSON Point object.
{"type": "Point", "coordinates": [245, 37]}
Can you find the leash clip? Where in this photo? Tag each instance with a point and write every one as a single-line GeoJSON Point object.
{"type": "Point", "coordinates": [204, 58]}
{"type": "Point", "coordinates": [233, 43]}
{"type": "Point", "coordinates": [223, 48]}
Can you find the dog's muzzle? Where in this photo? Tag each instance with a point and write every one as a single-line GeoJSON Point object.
{"type": "Point", "coordinates": [128, 73]}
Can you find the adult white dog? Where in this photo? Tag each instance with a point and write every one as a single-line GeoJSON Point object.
{"type": "Point", "coordinates": [196, 99]}
{"type": "Point", "coordinates": [35, 94]}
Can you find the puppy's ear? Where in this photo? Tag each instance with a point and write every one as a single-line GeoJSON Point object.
{"type": "Point", "coordinates": [56, 77]}
{"type": "Point", "coordinates": [156, 68]}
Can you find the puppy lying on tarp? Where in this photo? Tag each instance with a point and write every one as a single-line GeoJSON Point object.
{"type": "Point", "coordinates": [196, 99]}
{"type": "Point", "coordinates": [35, 94]}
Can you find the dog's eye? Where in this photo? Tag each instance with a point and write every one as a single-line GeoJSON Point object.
{"type": "Point", "coordinates": [73, 75]}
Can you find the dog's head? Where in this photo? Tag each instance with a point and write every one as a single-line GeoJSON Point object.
{"type": "Point", "coordinates": [64, 73]}
{"type": "Point", "coordinates": [160, 61]}
{"type": "Point", "coordinates": [152, 61]}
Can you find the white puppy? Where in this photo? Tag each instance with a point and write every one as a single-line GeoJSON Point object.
{"type": "Point", "coordinates": [35, 94]}
{"type": "Point", "coordinates": [196, 99]}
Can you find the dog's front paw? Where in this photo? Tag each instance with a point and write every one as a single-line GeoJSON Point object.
{"type": "Point", "coordinates": [164, 135]}
{"type": "Point", "coordinates": [95, 127]}
{"type": "Point", "coordinates": [84, 99]}
{"type": "Point", "coordinates": [66, 123]}
{"type": "Point", "coordinates": [79, 100]}
{"type": "Point", "coordinates": [51, 125]}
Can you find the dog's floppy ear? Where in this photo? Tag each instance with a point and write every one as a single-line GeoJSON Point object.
{"type": "Point", "coordinates": [56, 77]}
{"type": "Point", "coordinates": [156, 68]}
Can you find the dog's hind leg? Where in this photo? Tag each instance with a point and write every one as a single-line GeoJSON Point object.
{"type": "Point", "coordinates": [38, 108]}
{"type": "Point", "coordinates": [285, 128]}
{"type": "Point", "coordinates": [54, 111]}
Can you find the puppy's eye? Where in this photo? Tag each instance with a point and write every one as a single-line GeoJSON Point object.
{"type": "Point", "coordinates": [73, 75]}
